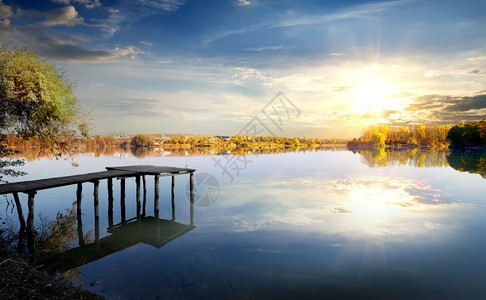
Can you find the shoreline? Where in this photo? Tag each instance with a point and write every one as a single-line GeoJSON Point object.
{"type": "Point", "coordinates": [19, 279]}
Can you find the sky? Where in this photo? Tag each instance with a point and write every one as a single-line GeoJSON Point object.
{"type": "Point", "coordinates": [310, 68]}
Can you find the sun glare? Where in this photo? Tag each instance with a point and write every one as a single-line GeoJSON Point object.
{"type": "Point", "coordinates": [372, 93]}
{"type": "Point", "coordinates": [374, 207]}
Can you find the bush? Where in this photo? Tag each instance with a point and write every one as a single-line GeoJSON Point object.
{"type": "Point", "coordinates": [141, 140]}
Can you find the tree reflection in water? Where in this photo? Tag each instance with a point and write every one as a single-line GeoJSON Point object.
{"type": "Point", "coordinates": [50, 238]}
{"type": "Point", "coordinates": [464, 160]}
{"type": "Point", "coordinates": [382, 157]}
{"type": "Point", "coordinates": [471, 161]}
{"type": "Point", "coordinates": [58, 235]}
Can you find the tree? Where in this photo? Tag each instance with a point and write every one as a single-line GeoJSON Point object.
{"type": "Point", "coordinates": [421, 135]}
{"type": "Point", "coordinates": [140, 140]}
{"type": "Point", "coordinates": [482, 130]}
{"type": "Point", "coordinates": [36, 99]}
{"type": "Point", "coordinates": [467, 135]}
{"type": "Point", "coordinates": [378, 139]}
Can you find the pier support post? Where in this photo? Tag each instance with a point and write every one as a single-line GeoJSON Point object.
{"type": "Point", "coordinates": [144, 194]}
{"type": "Point", "coordinates": [110, 202]}
{"type": "Point", "coordinates": [156, 196]}
{"type": "Point", "coordinates": [19, 211]}
{"type": "Point", "coordinates": [79, 195]}
{"type": "Point", "coordinates": [172, 197]}
{"type": "Point", "coordinates": [30, 224]}
{"type": "Point", "coordinates": [96, 211]}
{"type": "Point", "coordinates": [122, 200]}
{"type": "Point", "coordinates": [139, 205]}
{"type": "Point", "coordinates": [191, 186]}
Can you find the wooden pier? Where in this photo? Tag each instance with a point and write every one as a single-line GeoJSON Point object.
{"type": "Point", "coordinates": [111, 172]}
{"type": "Point", "coordinates": [139, 172]}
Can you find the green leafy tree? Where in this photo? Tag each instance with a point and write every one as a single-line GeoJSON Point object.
{"type": "Point", "coordinates": [36, 100]}
{"type": "Point", "coordinates": [468, 134]}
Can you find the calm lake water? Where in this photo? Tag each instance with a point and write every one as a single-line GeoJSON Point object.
{"type": "Point", "coordinates": [325, 224]}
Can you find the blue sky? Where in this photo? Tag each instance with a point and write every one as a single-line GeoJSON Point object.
{"type": "Point", "coordinates": [180, 66]}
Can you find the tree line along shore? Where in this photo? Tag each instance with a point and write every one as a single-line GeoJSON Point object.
{"type": "Point", "coordinates": [467, 135]}
{"type": "Point", "coordinates": [173, 141]}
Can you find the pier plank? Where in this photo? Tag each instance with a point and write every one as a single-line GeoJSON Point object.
{"type": "Point", "coordinates": [153, 170]}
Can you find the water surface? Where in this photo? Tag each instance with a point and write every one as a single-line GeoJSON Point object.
{"type": "Point", "coordinates": [320, 224]}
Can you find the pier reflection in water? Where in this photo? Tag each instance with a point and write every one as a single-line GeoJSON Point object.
{"type": "Point", "coordinates": [52, 242]}
{"type": "Point", "coordinates": [148, 230]}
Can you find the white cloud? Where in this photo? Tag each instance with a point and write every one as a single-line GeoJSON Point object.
{"type": "Point", "coordinates": [146, 43]}
{"type": "Point", "coordinates": [243, 2]}
{"type": "Point", "coordinates": [5, 11]}
{"type": "Point", "coordinates": [131, 11]}
{"type": "Point", "coordinates": [4, 23]}
{"type": "Point", "coordinates": [432, 225]}
{"type": "Point", "coordinates": [113, 10]}
{"type": "Point", "coordinates": [225, 33]}
{"type": "Point", "coordinates": [242, 74]}
{"type": "Point", "coordinates": [298, 217]}
{"type": "Point", "coordinates": [5, 14]}
{"type": "Point", "coordinates": [432, 74]}
{"type": "Point", "coordinates": [301, 82]}
{"type": "Point", "coordinates": [355, 12]}
{"type": "Point", "coordinates": [167, 5]}
{"type": "Point", "coordinates": [67, 16]}
{"type": "Point", "coordinates": [264, 48]}
{"type": "Point", "coordinates": [87, 3]}
{"type": "Point", "coordinates": [243, 225]}
{"type": "Point", "coordinates": [295, 82]}
{"type": "Point", "coordinates": [129, 52]}
{"type": "Point", "coordinates": [476, 59]}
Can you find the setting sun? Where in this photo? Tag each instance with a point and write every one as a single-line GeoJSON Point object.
{"type": "Point", "coordinates": [372, 93]}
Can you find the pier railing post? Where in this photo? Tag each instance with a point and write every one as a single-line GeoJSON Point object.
{"type": "Point", "coordinates": [79, 195]}
{"type": "Point", "coordinates": [110, 202]}
{"type": "Point", "coordinates": [96, 211]}
{"type": "Point", "coordinates": [139, 205]}
{"type": "Point", "coordinates": [191, 186]}
{"type": "Point", "coordinates": [156, 196]}
{"type": "Point", "coordinates": [144, 194]}
{"type": "Point", "coordinates": [122, 200]}
{"type": "Point", "coordinates": [172, 197]}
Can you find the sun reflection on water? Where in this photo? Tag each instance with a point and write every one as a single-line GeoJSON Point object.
{"type": "Point", "coordinates": [350, 206]}
{"type": "Point", "coordinates": [374, 205]}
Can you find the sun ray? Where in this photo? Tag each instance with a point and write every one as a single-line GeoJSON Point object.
{"type": "Point", "coordinates": [374, 93]}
